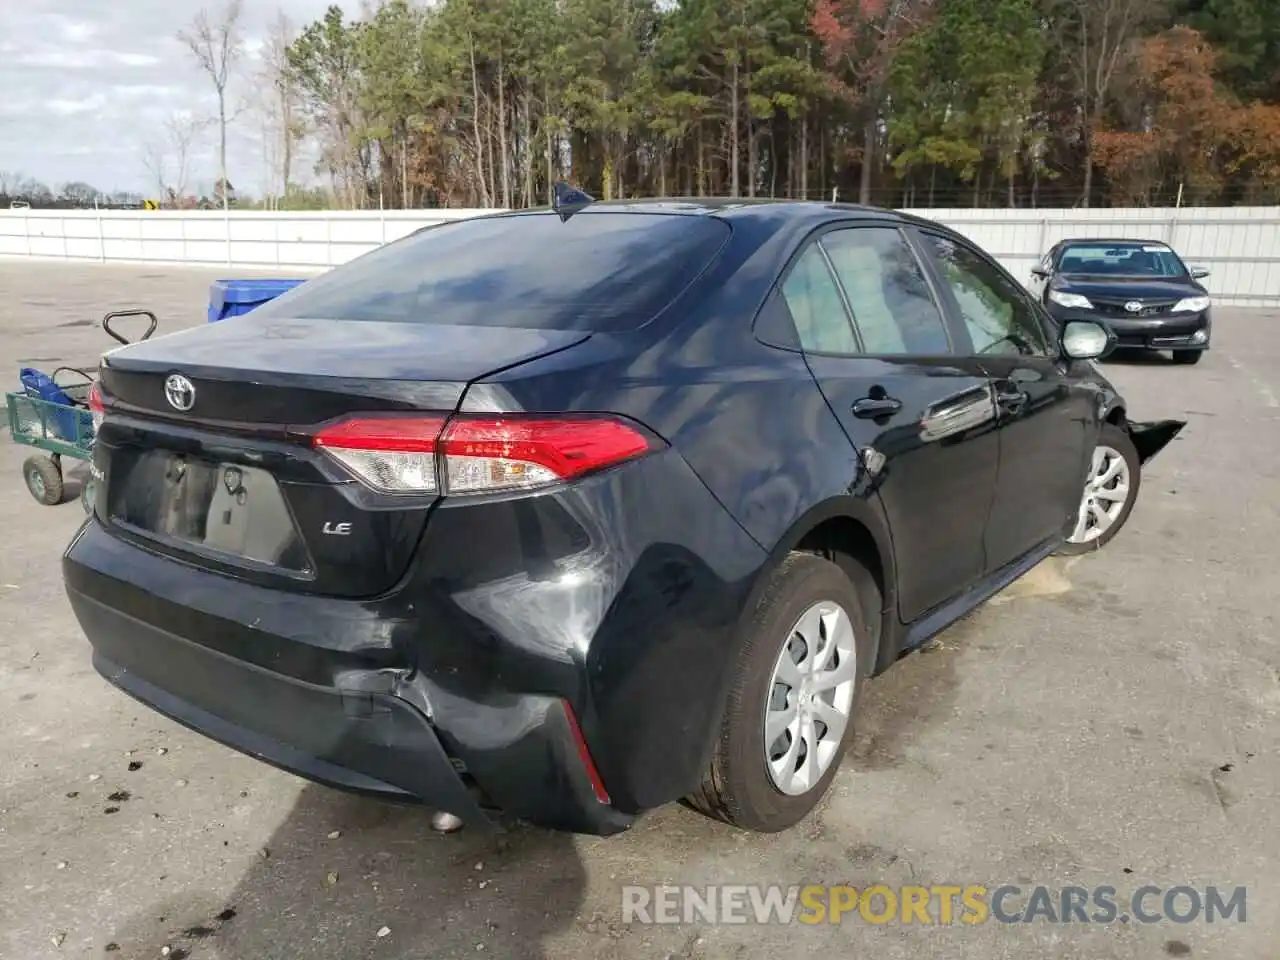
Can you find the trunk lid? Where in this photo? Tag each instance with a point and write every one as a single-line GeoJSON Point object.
{"type": "Point", "coordinates": [260, 374]}
{"type": "Point", "coordinates": [231, 483]}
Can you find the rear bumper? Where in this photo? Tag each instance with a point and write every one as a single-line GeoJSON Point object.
{"type": "Point", "coordinates": [603, 617]}
{"type": "Point", "coordinates": [379, 746]}
{"type": "Point", "coordinates": [368, 733]}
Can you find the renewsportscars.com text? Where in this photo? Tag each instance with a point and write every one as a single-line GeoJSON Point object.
{"type": "Point", "coordinates": [940, 904]}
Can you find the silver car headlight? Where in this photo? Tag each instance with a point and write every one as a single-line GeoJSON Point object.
{"type": "Point", "coordinates": [1191, 305]}
{"type": "Point", "coordinates": [1070, 300]}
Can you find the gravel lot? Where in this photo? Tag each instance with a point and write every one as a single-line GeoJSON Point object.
{"type": "Point", "coordinates": [1114, 721]}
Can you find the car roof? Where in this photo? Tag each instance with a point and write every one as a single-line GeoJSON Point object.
{"type": "Point", "coordinates": [1114, 241]}
{"type": "Point", "coordinates": [731, 208]}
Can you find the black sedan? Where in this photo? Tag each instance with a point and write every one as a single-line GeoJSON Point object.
{"type": "Point", "coordinates": [1139, 289]}
{"type": "Point", "coordinates": [575, 512]}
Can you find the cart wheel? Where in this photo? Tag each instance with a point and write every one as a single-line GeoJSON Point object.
{"type": "Point", "coordinates": [44, 480]}
{"type": "Point", "coordinates": [86, 495]}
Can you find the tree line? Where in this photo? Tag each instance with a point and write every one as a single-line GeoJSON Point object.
{"type": "Point", "coordinates": [19, 189]}
{"type": "Point", "coordinates": [915, 103]}
{"type": "Point", "coordinates": [487, 103]}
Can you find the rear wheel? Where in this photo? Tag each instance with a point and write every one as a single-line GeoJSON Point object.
{"type": "Point", "coordinates": [1110, 490]}
{"type": "Point", "coordinates": [44, 480]}
{"type": "Point", "coordinates": [789, 718]}
{"type": "Point", "coordinates": [1187, 356]}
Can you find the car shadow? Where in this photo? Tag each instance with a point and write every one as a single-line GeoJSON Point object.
{"type": "Point", "coordinates": [386, 885]}
{"type": "Point", "coordinates": [74, 474]}
{"type": "Point", "coordinates": [341, 869]}
{"type": "Point", "coordinates": [913, 695]}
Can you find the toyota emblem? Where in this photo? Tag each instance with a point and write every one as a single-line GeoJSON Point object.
{"type": "Point", "coordinates": [180, 392]}
{"type": "Point", "coordinates": [1133, 306]}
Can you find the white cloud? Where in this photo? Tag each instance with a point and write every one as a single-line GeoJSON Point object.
{"type": "Point", "coordinates": [136, 59]}
{"type": "Point", "coordinates": [10, 107]}
{"type": "Point", "coordinates": [86, 84]}
{"type": "Point", "coordinates": [69, 108]}
{"type": "Point", "coordinates": [77, 31]}
{"type": "Point", "coordinates": [150, 91]}
{"type": "Point", "coordinates": [60, 59]}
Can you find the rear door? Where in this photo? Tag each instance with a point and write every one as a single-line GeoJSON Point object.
{"type": "Point", "coordinates": [1046, 418]}
{"type": "Point", "coordinates": [921, 418]}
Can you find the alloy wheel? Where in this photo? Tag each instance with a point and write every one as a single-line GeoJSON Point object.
{"type": "Point", "coordinates": [1105, 494]}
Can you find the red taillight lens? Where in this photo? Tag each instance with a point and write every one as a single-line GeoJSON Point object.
{"type": "Point", "coordinates": [584, 754]}
{"type": "Point", "coordinates": [418, 455]}
{"type": "Point", "coordinates": [97, 409]}
{"type": "Point", "coordinates": [513, 454]}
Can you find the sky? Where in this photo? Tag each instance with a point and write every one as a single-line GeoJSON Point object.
{"type": "Point", "coordinates": [85, 84]}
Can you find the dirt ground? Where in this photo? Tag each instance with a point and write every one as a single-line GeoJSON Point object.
{"type": "Point", "coordinates": [1114, 720]}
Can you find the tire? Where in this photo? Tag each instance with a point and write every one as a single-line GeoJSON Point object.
{"type": "Point", "coordinates": [1187, 356]}
{"type": "Point", "coordinates": [1116, 439]}
{"type": "Point", "coordinates": [739, 787]}
{"type": "Point", "coordinates": [44, 480]}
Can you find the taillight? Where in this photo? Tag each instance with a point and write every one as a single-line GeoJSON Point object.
{"type": "Point", "coordinates": [97, 409]}
{"type": "Point", "coordinates": [488, 454]}
{"type": "Point", "coordinates": [427, 454]}
{"type": "Point", "coordinates": [391, 454]}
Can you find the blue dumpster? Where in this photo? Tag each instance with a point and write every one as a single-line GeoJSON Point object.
{"type": "Point", "coordinates": [234, 298]}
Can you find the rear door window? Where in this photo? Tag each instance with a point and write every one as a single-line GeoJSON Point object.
{"type": "Point", "coordinates": [813, 298]}
{"type": "Point", "coordinates": [893, 310]}
{"type": "Point", "coordinates": [597, 271]}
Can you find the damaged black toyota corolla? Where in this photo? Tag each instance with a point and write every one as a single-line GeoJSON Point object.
{"type": "Point", "coordinates": [572, 513]}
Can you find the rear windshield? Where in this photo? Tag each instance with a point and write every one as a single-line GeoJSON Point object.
{"type": "Point", "coordinates": [597, 271]}
{"type": "Point", "coordinates": [1121, 260]}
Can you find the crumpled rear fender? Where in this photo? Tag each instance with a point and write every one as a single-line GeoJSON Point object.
{"type": "Point", "coordinates": [1152, 436]}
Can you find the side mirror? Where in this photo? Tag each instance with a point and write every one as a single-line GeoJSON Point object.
{"type": "Point", "coordinates": [1199, 273]}
{"type": "Point", "coordinates": [1083, 340]}
{"type": "Point", "coordinates": [1040, 272]}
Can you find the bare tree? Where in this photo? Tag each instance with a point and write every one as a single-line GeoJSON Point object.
{"type": "Point", "coordinates": [264, 113]}
{"type": "Point", "coordinates": [33, 189]}
{"type": "Point", "coordinates": [1094, 35]}
{"type": "Point", "coordinates": [155, 158]}
{"type": "Point", "coordinates": [182, 130]}
{"type": "Point", "coordinates": [279, 106]}
{"type": "Point", "coordinates": [79, 192]}
{"type": "Point", "coordinates": [216, 46]}
{"type": "Point", "coordinates": [171, 154]}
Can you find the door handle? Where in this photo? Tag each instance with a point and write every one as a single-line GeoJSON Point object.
{"type": "Point", "coordinates": [1011, 400]}
{"type": "Point", "coordinates": [868, 408]}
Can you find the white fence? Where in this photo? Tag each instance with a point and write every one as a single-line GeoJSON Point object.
{"type": "Point", "coordinates": [1239, 245]}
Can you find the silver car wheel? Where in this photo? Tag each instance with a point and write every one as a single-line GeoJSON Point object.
{"type": "Point", "coordinates": [810, 698]}
{"type": "Point", "coordinates": [1105, 494]}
